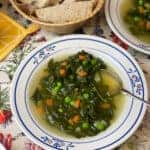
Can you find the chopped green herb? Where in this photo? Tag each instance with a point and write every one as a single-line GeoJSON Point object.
{"type": "Point", "coordinates": [75, 102]}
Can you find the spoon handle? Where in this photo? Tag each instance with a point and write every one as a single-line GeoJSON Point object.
{"type": "Point", "coordinates": [138, 98]}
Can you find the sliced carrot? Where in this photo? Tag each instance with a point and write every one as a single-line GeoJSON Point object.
{"type": "Point", "coordinates": [82, 57]}
{"type": "Point", "coordinates": [82, 73]}
{"type": "Point", "coordinates": [148, 25]}
{"type": "Point", "coordinates": [76, 118]}
{"type": "Point", "coordinates": [141, 10]}
{"type": "Point", "coordinates": [62, 72]}
{"type": "Point", "coordinates": [49, 102]}
{"type": "Point", "coordinates": [105, 106]}
{"type": "Point", "coordinates": [77, 103]}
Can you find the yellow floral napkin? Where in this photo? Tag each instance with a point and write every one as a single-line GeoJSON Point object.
{"type": "Point", "coordinates": [11, 34]}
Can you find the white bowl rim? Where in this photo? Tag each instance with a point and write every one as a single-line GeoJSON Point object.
{"type": "Point", "coordinates": [116, 30]}
{"type": "Point", "coordinates": [88, 37]}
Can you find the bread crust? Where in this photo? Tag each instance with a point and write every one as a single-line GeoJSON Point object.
{"type": "Point", "coordinates": [66, 12]}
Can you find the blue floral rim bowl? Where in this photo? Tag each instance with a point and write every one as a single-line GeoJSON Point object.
{"type": "Point", "coordinates": [123, 64]}
{"type": "Point", "coordinates": [114, 18]}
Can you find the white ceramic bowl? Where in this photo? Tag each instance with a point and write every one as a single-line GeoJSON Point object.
{"type": "Point", "coordinates": [125, 66]}
{"type": "Point", "coordinates": [113, 16]}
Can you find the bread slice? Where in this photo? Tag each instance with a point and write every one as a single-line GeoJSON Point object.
{"type": "Point", "coordinates": [68, 1]}
{"type": "Point", "coordinates": [26, 1]}
{"type": "Point", "coordinates": [66, 12]}
{"type": "Point", "coordinates": [39, 3]}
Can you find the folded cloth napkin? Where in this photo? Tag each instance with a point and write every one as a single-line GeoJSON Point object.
{"type": "Point", "coordinates": [11, 34]}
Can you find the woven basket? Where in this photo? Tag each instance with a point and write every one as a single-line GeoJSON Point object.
{"type": "Point", "coordinates": [59, 28]}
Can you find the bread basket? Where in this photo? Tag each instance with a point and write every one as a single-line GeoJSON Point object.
{"type": "Point", "coordinates": [59, 28]}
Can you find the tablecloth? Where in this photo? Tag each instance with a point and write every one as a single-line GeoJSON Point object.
{"type": "Point", "coordinates": [11, 135]}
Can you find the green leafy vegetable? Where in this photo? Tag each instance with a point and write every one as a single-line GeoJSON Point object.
{"type": "Point", "coordinates": [73, 101]}
{"type": "Point", "coordinates": [138, 18]}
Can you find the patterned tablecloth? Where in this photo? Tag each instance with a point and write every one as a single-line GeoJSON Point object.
{"type": "Point", "coordinates": [10, 134]}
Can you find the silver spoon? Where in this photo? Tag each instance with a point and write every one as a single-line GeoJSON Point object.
{"type": "Point", "coordinates": [119, 85]}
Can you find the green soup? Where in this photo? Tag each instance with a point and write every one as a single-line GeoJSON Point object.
{"type": "Point", "coordinates": [136, 16]}
{"type": "Point", "coordinates": [70, 100]}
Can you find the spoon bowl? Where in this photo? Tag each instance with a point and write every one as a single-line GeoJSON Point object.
{"type": "Point", "coordinates": [111, 79]}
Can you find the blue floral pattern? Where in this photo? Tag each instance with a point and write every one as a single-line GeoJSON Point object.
{"type": "Point", "coordinates": [56, 143]}
{"type": "Point", "coordinates": [43, 54]}
{"type": "Point", "coordinates": [139, 141]}
{"type": "Point", "coordinates": [136, 81]}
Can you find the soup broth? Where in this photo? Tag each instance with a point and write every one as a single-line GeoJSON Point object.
{"type": "Point", "coordinates": [117, 104]}
{"type": "Point", "coordinates": [134, 21]}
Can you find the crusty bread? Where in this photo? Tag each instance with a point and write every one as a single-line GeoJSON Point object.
{"type": "Point", "coordinates": [66, 12]}
{"type": "Point", "coordinates": [39, 3]}
{"type": "Point", "coordinates": [68, 1]}
{"type": "Point", "coordinates": [26, 1]}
